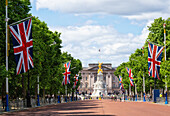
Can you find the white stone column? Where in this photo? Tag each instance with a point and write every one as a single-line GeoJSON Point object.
{"type": "Point", "coordinates": [107, 80]}
{"type": "Point", "coordinates": [89, 83]}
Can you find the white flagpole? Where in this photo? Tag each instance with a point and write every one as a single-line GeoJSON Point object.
{"type": "Point", "coordinates": [143, 80]}
{"type": "Point", "coordinates": [136, 94]}
{"type": "Point", "coordinates": [66, 92]}
{"type": "Point", "coordinates": [144, 88]}
{"type": "Point", "coordinates": [6, 19]}
{"type": "Point", "coordinates": [38, 92]}
{"type": "Point", "coordinates": [129, 91]}
{"type": "Point", "coordinates": [166, 89]}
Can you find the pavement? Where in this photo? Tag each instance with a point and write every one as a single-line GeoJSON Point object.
{"type": "Point", "coordinates": [96, 108]}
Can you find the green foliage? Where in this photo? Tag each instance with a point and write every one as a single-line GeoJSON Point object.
{"type": "Point", "coordinates": [47, 57]}
{"type": "Point", "coordinates": [138, 62]}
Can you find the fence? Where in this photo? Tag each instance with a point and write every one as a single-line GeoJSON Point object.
{"type": "Point", "coordinates": [19, 104]}
{"type": "Point", "coordinates": [162, 100]}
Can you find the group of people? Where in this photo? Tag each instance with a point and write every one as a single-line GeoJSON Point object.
{"type": "Point", "coordinates": [115, 97]}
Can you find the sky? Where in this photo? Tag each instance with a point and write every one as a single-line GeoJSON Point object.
{"type": "Point", "coordinates": [116, 27]}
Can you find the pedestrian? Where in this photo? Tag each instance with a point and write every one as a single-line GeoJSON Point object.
{"type": "Point", "coordinates": [160, 95]}
{"type": "Point", "coordinates": [112, 98]}
{"type": "Point", "coordinates": [115, 98]}
{"type": "Point", "coordinates": [120, 99]}
{"type": "Point", "coordinates": [150, 98]}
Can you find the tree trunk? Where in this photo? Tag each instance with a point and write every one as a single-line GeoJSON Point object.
{"type": "Point", "coordinates": [141, 94]}
{"type": "Point", "coordinates": [150, 90]}
{"type": "Point", "coordinates": [36, 93]}
{"type": "Point", "coordinates": [23, 88]}
{"type": "Point", "coordinates": [44, 94]}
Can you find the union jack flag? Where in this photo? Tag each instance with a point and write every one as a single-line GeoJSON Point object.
{"type": "Point", "coordinates": [154, 59]}
{"type": "Point", "coordinates": [67, 73]}
{"type": "Point", "coordinates": [120, 83]}
{"type": "Point", "coordinates": [76, 80]}
{"type": "Point", "coordinates": [130, 76]}
{"type": "Point", "coordinates": [23, 46]}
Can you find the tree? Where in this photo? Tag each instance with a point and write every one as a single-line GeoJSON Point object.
{"type": "Point", "coordinates": [139, 62]}
{"type": "Point", "coordinates": [17, 10]}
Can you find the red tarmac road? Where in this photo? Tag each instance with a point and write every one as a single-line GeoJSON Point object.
{"type": "Point", "coordinates": [97, 107]}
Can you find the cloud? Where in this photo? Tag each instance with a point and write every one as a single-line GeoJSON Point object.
{"type": "Point", "coordinates": [116, 7]}
{"type": "Point", "coordinates": [148, 16]}
{"type": "Point", "coordinates": [83, 43]}
{"type": "Point", "coordinates": [31, 1]}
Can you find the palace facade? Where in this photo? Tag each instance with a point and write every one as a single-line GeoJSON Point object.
{"type": "Point", "coordinates": [89, 77]}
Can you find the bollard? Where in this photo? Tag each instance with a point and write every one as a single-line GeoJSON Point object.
{"type": "Point", "coordinates": [66, 99]}
{"type": "Point", "coordinates": [135, 97]}
{"type": "Point", "coordinates": [59, 99]}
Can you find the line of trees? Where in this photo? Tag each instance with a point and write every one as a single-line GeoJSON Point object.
{"type": "Point", "coordinates": [139, 62]}
{"type": "Point", "coordinates": [47, 56]}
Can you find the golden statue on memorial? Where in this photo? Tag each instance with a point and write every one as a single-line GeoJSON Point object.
{"type": "Point", "coordinates": [100, 70]}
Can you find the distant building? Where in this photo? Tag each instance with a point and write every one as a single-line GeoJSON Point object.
{"type": "Point", "coordinates": [89, 77]}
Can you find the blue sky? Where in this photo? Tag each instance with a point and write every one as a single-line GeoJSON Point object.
{"type": "Point", "coordinates": [56, 18]}
{"type": "Point", "coordinates": [116, 27]}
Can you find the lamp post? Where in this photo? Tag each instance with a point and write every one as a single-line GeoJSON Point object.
{"type": "Point", "coordinates": [6, 20]}
{"type": "Point", "coordinates": [166, 89]}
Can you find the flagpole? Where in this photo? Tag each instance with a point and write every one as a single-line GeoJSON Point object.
{"type": "Point", "coordinates": [38, 91]}
{"type": "Point", "coordinates": [126, 94]}
{"type": "Point", "coordinates": [6, 19]}
{"type": "Point", "coordinates": [154, 83]}
{"type": "Point", "coordinates": [144, 100]}
{"type": "Point", "coordinates": [71, 95]}
{"type": "Point", "coordinates": [59, 96]}
{"type": "Point", "coordinates": [28, 92]}
{"type": "Point", "coordinates": [129, 91]}
{"type": "Point", "coordinates": [166, 89]}
{"type": "Point", "coordinates": [20, 20]}
{"type": "Point", "coordinates": [66, 93]}
{"type": "Point", "coordinates": [135, 93]}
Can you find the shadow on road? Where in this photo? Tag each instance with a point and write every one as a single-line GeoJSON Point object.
{"type": "Point", "coordinates": [72, 108]}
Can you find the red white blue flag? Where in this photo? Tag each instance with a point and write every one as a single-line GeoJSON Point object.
{"type": "Point", "coordinates": [120, 83]}
{"type": "Point", "coordinates": [76, 77]}
{"type": "Point", "coordinates": [67, 73]}
{"type": "Point", "coordinates": [23, 46]}
{"type": "Point", "coordinates": [130, 76]}
{"type": "Point", "coordinates": [154, 59]}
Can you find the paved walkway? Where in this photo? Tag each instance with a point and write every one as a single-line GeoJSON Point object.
{"type": "Point", "coordinates": [97, 107]}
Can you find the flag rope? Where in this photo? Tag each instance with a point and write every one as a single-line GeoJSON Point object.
{"type": "Point", "coordinates": [155, 44]}
{"type": "Point", "coordinates": [20, 20]}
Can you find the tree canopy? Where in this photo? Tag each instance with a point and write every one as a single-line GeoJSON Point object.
{"type": "Point", "coordinates": [138, 61]}
{"type": "Point", "coordinates": [47, 56]}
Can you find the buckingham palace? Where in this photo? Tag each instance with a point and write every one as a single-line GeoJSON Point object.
{"type": "Point", "coordinates": [89, 77]}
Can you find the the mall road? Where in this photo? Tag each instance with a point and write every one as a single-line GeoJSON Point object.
{"type": "Point", "coordinates": [97, 107]}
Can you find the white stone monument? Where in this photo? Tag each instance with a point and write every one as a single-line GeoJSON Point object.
{"type": "Point", "coordinates": [99, 86]}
